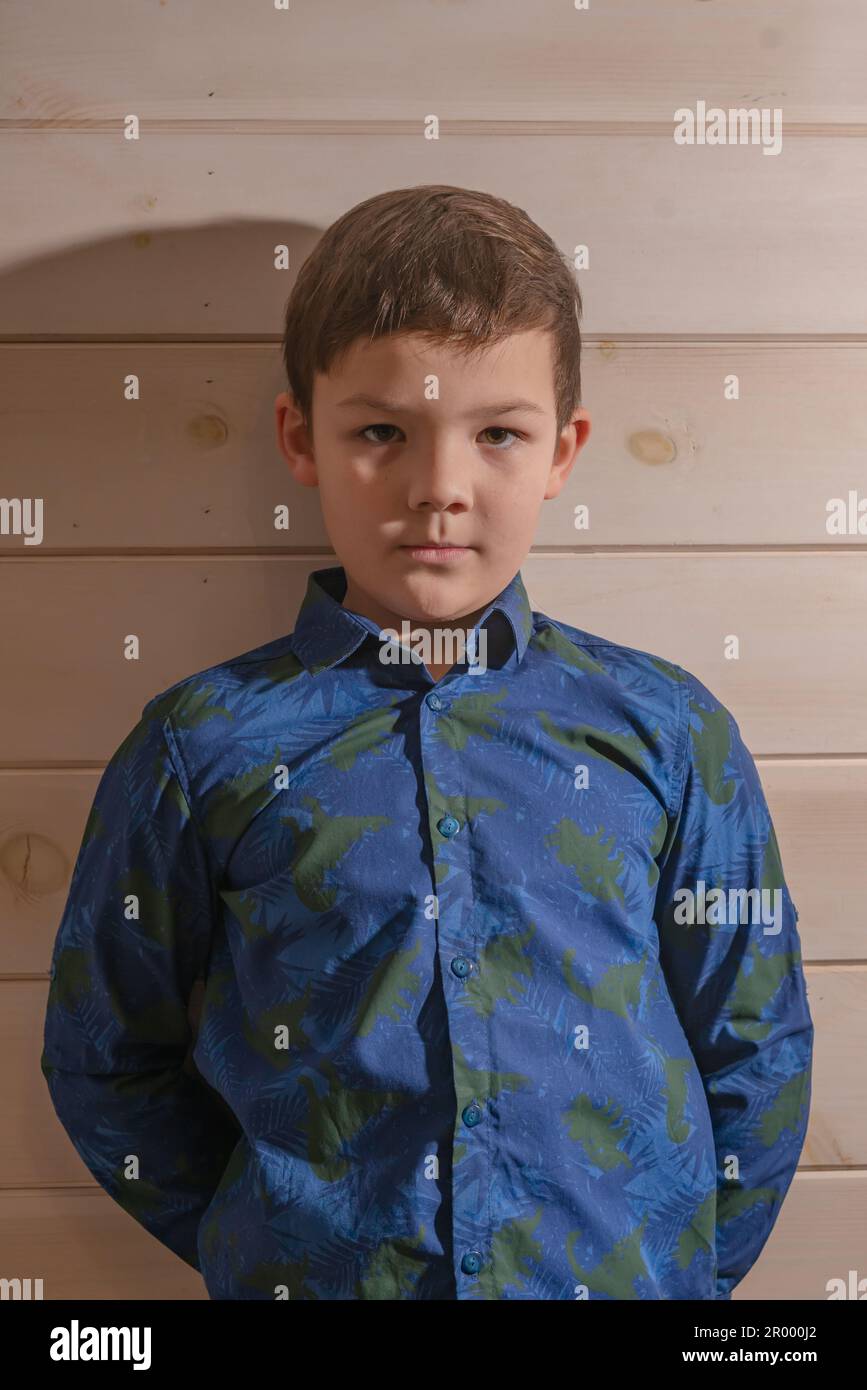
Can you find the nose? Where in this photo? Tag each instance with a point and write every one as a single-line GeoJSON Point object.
{"type": "Point", "coordinates": [439, 478]}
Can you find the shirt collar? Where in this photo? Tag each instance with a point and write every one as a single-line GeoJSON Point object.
{"type": "Point", "coordinates": [326, 632]}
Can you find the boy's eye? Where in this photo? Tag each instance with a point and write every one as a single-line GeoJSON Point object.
{"type": "Point", "coordinates": [500, 429]}
{"type": "Point", "coordinates": [377, 427]}
{"type": "Point", "coordinates": [491, 429]}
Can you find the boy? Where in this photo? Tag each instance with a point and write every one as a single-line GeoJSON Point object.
{"type": "Point", "coordinates": [503, 996]}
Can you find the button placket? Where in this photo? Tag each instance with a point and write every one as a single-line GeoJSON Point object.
{"type": "Point", "coordinates": [467, 1030]}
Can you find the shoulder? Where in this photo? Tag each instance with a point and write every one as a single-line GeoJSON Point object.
{"type": "Point", "coordinates": [630, 668]}
{"type": "Point", "coordinates": [646, 690]}
{"type": "Point", "coordinates": [223, 691]}
{"type": "Point", "coordinates": [193, 719]}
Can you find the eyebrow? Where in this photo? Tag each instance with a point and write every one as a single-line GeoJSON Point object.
{"type": "Point", "coordinates": [395, 407]}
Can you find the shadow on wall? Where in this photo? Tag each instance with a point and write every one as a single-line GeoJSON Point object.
{"type": "Point", "coordinates": [196, 313]}
{"type": "Point", "coordinates": [190, 468]}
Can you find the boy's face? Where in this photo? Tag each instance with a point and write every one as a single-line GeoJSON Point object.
{"type": "Point", "coordinates": [456, 470]}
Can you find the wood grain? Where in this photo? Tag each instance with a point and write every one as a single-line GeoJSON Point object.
{"type": "Point", "coordinates": [797, 687]}
{"type": "Point", "coordinates": [611, 63]}
{"type": "Point", "coordinates": [669, 462]}
{"type": "Point", "coordinates": [175, 235]}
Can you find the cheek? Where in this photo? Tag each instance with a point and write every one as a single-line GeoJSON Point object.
{"type": "Point", "coordinates": [513, 501]}
{"type": "Point", "coordinates": [345, 487]}
{"type": "Point", "coordinates": [359, 475]}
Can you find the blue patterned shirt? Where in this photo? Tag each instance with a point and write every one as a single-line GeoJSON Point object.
{"type": "Point", "coordinates": [502, 987]}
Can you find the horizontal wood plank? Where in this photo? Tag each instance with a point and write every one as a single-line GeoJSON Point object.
{"type": "Point", "coordinates": [797, 687]}
{"type": "Point", "coordinates": [84, 1246]}
{"type": "Point", "coordinates": [34, 1148]}
{"type": "Point", "coordinates": [209, 60]}
{"type": "Point", "coordinates": [820, 1235]}
{"type": "Point", "coordinates": [819, 809]}
{"type": "Point", "coordinates": [176, 234]}
{"type": "Point", "coordinates": [193, 463]}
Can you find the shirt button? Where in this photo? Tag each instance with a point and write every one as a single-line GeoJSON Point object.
{"type": "Point", "coordinates": [471, 1262]}
{"type": "Point", "coordinates": [448, 826]}
{"type": "Point", "coordinates": [435, 701]}
{"type": "Point", "coordinates": [461, 967]}
{"type": "Point", "coordinates": [472, 1114]}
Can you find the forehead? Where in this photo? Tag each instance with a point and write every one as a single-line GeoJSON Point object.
{"type": "Point", "coordinates": [520, 362]}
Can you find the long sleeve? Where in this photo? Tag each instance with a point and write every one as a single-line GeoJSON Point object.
{"type": "Point", "coordinates": [134, 937]}
{"type": "Point", "coordinates": [732, 961]}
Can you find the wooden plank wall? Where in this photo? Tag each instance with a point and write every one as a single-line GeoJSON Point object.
{"type": "Point", "coordinates": [708, 516]}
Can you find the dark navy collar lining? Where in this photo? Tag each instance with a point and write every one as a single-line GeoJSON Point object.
{"type": "Point", "coordinates": [326, 632]}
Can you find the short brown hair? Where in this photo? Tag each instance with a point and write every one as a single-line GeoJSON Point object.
{"type": "Point", "coordinates": [453, 264]}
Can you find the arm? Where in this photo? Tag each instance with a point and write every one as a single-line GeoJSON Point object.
{"type": "Point", "coordinates": [736, 978]}
{"type": "Point", "coordinates": [134, 936]}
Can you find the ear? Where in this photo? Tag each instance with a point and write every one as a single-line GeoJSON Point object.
{"type": "Point", "coordinates": [294, 440]}
{"type": "Point", "coordinates": [571, 440]}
